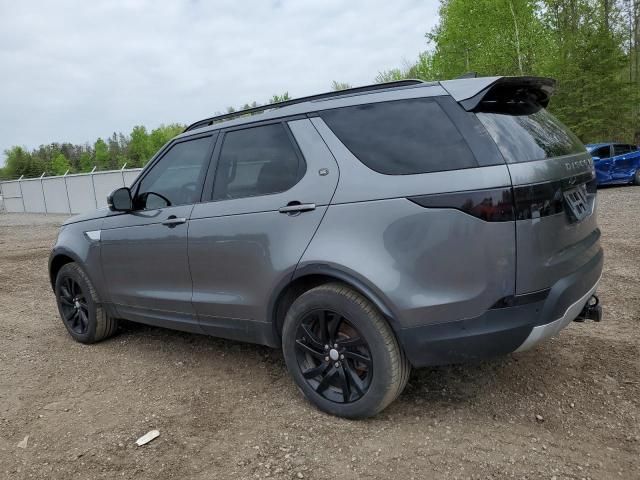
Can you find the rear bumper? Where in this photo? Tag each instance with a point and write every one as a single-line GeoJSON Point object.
{"type": "Point", "coordinates": [504, 330]}
{"type": "Point", "coordinates": [542, 332]}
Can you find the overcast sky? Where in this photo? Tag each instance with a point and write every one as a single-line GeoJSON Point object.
{"type": "Point", "coordinates": [76, 70]}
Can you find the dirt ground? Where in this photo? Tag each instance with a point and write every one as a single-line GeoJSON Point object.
{"type": "Point", "coordinates": [229, 410]}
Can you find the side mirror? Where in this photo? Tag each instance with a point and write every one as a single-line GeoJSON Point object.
{"type": "Point", "coordinates": [595, 159]}
{"type": "Point", "coordinates": [120, 200]}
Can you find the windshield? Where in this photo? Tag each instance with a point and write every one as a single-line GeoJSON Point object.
{"type": "Point", "coordinates": [530, 136]}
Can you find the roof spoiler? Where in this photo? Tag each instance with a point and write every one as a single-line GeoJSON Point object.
{"type": "Point", "coordinates": [470, 92]}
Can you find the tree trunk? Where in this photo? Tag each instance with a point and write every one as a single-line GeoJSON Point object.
{"type": "Point", "coordinates": [515, 24]}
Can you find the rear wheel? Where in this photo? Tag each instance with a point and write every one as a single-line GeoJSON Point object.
{"type": "Point", "coordinates": [80, 308]}
{"type": "Point", "coordinates": [342, 353]}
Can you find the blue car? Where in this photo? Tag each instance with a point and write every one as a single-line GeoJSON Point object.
{"type": "Point", "coordinates": [615, 163]}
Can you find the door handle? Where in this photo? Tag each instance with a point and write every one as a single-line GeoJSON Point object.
{"type": "Point", "coordinates": [297, 207]}
{"type": "Point", "coordinates": [172, 221]}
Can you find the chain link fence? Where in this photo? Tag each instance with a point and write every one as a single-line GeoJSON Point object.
{"type": "Point", "coordinates": [75, 193]}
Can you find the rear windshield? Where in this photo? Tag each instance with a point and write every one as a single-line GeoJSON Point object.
{"type": "Point", "coordinates": [401, 137]}
{"type": "Point", "coordinates": [530, 136]}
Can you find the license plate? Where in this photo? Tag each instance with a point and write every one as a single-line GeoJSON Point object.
{"type": "Point", "coordinates": [577, 201]}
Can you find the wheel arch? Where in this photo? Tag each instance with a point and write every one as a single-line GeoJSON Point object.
{"type": "Point", "coordinates": [57, 260]}
{"type": "Point", "coordinates": [311, 276]}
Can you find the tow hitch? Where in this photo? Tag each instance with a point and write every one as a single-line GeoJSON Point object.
{"type": "Point", "coordinates": [591, 311]}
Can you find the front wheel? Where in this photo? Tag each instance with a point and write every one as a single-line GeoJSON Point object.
{"type": "Point", "coordinates": [636, 178]}
{"type": "Point", "coordinates": [80, 308]}
{"type": "Point", "coordinates": [342, 353]}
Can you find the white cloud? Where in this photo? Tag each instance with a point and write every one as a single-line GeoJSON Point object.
{"type": "Point", "coordinates": [75, 70]}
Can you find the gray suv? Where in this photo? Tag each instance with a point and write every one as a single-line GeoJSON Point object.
{"type": "Point", "coordinates": [363, 231]}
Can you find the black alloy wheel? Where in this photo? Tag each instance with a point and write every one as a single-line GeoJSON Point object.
{"type": "Point", "coordinates": [73, 306]}
{"type": "Point", "coordinates": [333, 356]}
{"type": "Point", "coordinates": [80, 308]}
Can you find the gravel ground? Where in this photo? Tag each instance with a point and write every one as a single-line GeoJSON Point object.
{"type": "Point", "coordinates": [570, 408]}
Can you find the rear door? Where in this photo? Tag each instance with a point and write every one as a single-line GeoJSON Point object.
{"type": "Point", "coordinates": [272, 185]}
{"type": "Point", "coordinates": [554, 193]}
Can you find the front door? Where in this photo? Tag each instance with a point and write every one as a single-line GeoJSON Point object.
{"type": "Point", "coordinates": [623, 161]}
{"type": "Point", "coordinates": [272, 186]}
{"type": "Point", "coordinates": [144, 252]}
{"type": "Point", "coordinates": [602, 163]}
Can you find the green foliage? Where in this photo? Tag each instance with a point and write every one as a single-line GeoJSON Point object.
{"type": "Point", "coordinates": [588, 57]}
{"type": "Point", "coordinates": [133, 150]}
{"type": "Point", "coordinates": [393, 75]}
{"type": "Point", "coordinates": [491, 37]}
{"type": "Point", "coordinates": [60, 165]}
{"type": "Point", "coordinates": [139, 146]}
{"type": "Point", "coordinates": [590, 47]}
{"type": "Point", "coordinates": [337, 86]}
{"type": "Point", "coordinates": [280, 98]}
{"type": "Point", "coordinates": [162, 135]}
{"type": "Point", "coordinates": [20, 162]}
{"type": "Point", "coordinates": [101, 154]}
{"type": "Point", "coordinates": [86, 162]}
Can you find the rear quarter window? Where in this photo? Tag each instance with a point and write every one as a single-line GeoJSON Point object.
{"type": "Point", "coordinates": [401, 137]}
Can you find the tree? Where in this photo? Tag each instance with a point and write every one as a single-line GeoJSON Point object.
{"type": "Point", "coordinates": [60, 165]}
{"type": "Point", "coordinates": [337, 86]}
{"type": "Point", "coordinates": [139, 147]}
{"type": "Point", "coordinates": [161, 135]}
{"type": "Point", "coordinates": [86, 162]}
{"type": "Point", "coordinates": [392, 75]}
{"type": "Point", "coordinates": [280, 98]}
{"type": "Point", "coordinates": [20, 162]}
{"type": "Point", "coordinates": [589, 46]}
{"type": "Point", "coordinates": [491, 37]}
{"type": "Point", "coordinates": [586, 55]}
{"type": "Point", "coordinates": [116, 152]}
{"type": "Point", "coordinates": [101, 154]}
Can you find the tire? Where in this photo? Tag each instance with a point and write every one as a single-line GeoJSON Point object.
{"type": "Point", "coordinates": [366, 368]}
{"type": "Point", "coordinates": [79, 306]}
{"type": "Point", "coordinates": [636, 178]}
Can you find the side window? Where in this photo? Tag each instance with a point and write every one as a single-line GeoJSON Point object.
{"type": "Point", "coordinates": [401, 137]}
{"type": "Point", "coordinates": [602, 152]}
{"type": "Point", "coordinates": [257, 161]}
{"type": "Point", "coordinates": [620, 149]}
{"type": "Point", "coordinates": [632, 148]}
{"type": "Point", "coordinates": [176, 179]}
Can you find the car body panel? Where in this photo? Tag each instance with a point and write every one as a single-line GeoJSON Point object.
{"type": "Point", "coordinates": [552, 246]}
{"type": "Point", "coordinates": [145, 263]}
{"type": "Point", "coordinates": [403, 252]}
{"type": "Point", "coordinates": [72, 242]}
{"type": "Point", "coordinates": [97, 214]}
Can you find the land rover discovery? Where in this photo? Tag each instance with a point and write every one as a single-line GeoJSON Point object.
{"type": "Point", "coordinates": [364, 232]}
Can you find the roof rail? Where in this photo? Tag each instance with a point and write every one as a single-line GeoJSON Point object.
{"type": "Point", "coordinates": [349, 91]}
